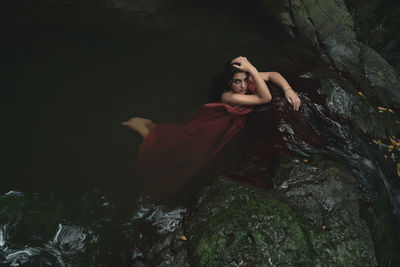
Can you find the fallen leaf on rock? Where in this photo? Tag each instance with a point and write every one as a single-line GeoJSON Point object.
{"type": "Point", "coordinates": [394, 142]}
{"type": "Point", "coordinates": [391, 110]}
{"type": "Point", "coordinates": [183, 237]}
{"type": "Point", "coordinates": [361, 94]}
{"type": "Point", "coordinates": [378, 142]}
{"type": "Point", "coordinates": [382, 108]}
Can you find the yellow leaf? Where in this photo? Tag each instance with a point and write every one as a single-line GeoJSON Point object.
{"type": "Point", "coordinates": [391, 110]}
{"type": "Point", "coordinates": [305, 160]}
{"type": "Point", "coordinates": [361, 94]}
{"type": "Point", "coordinates": [382, 108]}
{"type": "Point", "coordinates": [398, 165]}
{"type": "Point", "coordinates": [183, 237]}
{"type": "Point", "coordinates": [394, 142]}
{"type": "Point", "coordinates": [390, 147]}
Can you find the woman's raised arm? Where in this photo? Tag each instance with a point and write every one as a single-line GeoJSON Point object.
{"type": "Point", "coordinates": [278, 79]}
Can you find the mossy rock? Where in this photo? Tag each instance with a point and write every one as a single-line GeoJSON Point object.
{"type": "Point", "coordinates": [239, 225]}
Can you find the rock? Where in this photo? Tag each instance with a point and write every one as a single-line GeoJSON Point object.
{"type": "Point", "coordinates": [377, 23]}
{"type": "Point", "coordinates": [29, 233]}
{"type": "Point", "coordinates": [377, 215]}
{"type": "Point", "coordinates": [339, 125]}
{"type": "Point", "coordinates": [327, 195]}
{"type": "Point", "coordinates": [343, 100]}
{"type": "Point", "coordinates": [236, 224]}
{"type": "Point", "coordinates": [382, 76]}
{"type": "Point", "coordinates": [332, 36]}
{"type": "Point", "coordinates": [27, 218]}
{"type": "Point", "coordinates": [170, 250]}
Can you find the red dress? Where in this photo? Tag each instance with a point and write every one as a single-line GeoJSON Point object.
{"type": "Point", "coordinates": [171, 154]}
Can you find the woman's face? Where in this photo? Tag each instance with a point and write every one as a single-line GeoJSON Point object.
{"type": "Point", "coordinates": [239, 83]}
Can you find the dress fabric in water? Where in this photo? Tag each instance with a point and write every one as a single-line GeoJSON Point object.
{"type": "Point", "coordinates": [171, 154]}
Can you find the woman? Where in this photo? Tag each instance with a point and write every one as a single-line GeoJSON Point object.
{"type": "Point", "coordinates": [170, 154]}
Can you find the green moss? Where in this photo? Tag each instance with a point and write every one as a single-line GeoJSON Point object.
{"type": "Point", "coordinates": [240, 225]}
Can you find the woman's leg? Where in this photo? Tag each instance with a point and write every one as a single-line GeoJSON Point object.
{"type": "Point", "coordinates": [140, 125]}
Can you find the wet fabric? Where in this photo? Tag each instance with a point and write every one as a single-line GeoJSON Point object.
{"type": "Point", "coordinates": [171, 154]}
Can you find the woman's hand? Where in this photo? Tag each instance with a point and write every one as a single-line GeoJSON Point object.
{"type": "Point", "coordinates": [292, 98]}
{"type": "Point", "coordinates": [242, 64]}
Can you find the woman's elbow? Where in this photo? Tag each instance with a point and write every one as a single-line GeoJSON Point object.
{"type": "Point", "coordinates": [266, 100]}
{"type": "Point", "coordinates": [274, 74]}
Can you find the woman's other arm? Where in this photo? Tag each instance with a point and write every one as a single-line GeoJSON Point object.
{"type": "Point", "coordinates": [263, 95]}
{"type": "Point", "coordinates": [278, 79]}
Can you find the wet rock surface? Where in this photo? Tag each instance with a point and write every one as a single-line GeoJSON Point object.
{"type": "Point", "coordinates": [235, 224]}
{"type": "Point", "coordinates": [30, 235]}
{"type": "Point", "coordinates": [364, 82]}
{"type": "Point", "coordinates": [94, 232]}
{"type": "Point", "coordinates": [377, 25]}
{"type": "Point", "coordinates": [328, 27]}
{"type": "Point", "coordinates": [329, 170]}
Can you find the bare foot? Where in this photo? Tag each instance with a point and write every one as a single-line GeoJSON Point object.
{"type": "Point", "coordinates": [140, 125]}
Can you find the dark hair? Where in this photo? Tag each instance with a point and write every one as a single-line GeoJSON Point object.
{"type": "Point", "coordinates": [222, 82]}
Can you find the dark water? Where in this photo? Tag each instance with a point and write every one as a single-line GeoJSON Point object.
{"type": "Point", "coordinates": [69, 75]}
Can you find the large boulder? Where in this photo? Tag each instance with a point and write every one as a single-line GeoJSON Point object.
{"type": "Point", "coordinates": [328, 193]}
{"type": "Point", "coordinates": [235, 224]}
{"type": "Point", "coordinates": [327, 26]}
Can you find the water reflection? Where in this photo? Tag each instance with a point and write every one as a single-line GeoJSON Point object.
{"type": "Point", "coordinates": [83, 244]}
{"type": "Point", "coordinates": [164, 219]}
{"type": "Point", "coordinates": [29, 236]}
